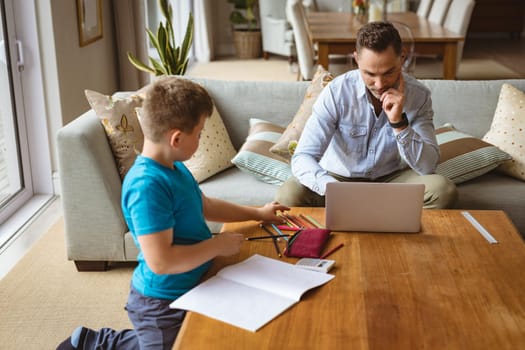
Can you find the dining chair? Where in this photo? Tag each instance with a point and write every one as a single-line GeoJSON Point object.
{"type": "Point", "coordinates": [306, 53]}
{"type": "Point", "coordinates": [303, 44]}
{"type": "Point", "coordinates": [409, 58]}
{"type": "Point", "coordinates": [438, 11]}
{"type": "Point", "coordinates": [423, 8]}
{"type": "Point", "coordinates": [457, 20]}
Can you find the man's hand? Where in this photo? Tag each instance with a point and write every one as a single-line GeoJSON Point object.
{"type": "Point", "coordinates": [393, 101]}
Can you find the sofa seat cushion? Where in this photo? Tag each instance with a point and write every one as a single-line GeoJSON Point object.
{"type": "Point", "coordinates": [495, 191]}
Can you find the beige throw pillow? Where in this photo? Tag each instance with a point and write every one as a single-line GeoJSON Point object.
{"type": "Point", "coordinates": [119, 118]}
{"type": "Point", "coordinates": [464, 157]}
{"type": "Point", "coordinates": [215, 150]}
{"type": "Point", "coordinates": [293, 131]}
{"type": "Point", "coordinates": [255, 158]}
{"type": "Point", "coordinates": [508, 130]}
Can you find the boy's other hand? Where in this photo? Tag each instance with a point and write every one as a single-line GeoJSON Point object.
{"type": "Point", "coordinates": [228, 243]}
{"type": "Point", "coordinates": [268, 213]}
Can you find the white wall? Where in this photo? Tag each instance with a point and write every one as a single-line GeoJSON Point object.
{"type": "Point", "coordinates": [69, 69]}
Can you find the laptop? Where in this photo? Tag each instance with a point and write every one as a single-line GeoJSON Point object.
{"type": "Point", "coordinates": [374, 207]}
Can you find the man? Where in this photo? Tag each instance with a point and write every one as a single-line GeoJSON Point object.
{"type": "Point", "coordinates": [371, 124]}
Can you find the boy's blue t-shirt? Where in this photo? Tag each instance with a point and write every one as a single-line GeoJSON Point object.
{"type": "Point", "coordinates": [156, 198]}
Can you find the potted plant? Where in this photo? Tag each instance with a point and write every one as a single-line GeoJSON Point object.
{"type": "Point", "coordinates": [246, 30]}
{"type": "Point", "coordinates": [173, 59]}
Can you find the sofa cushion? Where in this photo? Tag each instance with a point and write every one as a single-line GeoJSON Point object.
{"type": "Point", "coordinates": [507, 130]}
{"type": "Point", "coordinates": [215, 150]}
{"type": "Point", "coordinates": [255, 157]}
{"type": "Point", "coordinates": [118, 116]}
{"type": "Point", "coordinates": [295, 128]}
{"type": "Point", "coordinates": [464, 157]}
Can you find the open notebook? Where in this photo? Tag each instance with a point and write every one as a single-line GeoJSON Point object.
{"type": "Point", "coordinates": [374, 207]}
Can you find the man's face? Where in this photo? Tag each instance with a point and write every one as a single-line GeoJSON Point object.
{"type": "Point", "coordinates": [380, 70]}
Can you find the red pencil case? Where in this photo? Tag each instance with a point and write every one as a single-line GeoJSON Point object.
{"type": "Point", "coordinates": [307, 243]}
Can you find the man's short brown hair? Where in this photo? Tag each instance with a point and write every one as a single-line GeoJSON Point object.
{"type": "Point", "coordinates": [173, 103]}
{"type": "Point", "coordinates": [378, 36]}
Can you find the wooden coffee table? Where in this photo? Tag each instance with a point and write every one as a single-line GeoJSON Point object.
{"type": "Point", "coordinates": [443, 288]}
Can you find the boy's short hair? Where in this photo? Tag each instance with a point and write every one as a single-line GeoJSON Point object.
{"type": "Point", "coordinates": [378, 36]}
{"type": "Point", "coordinates": [173, 103]}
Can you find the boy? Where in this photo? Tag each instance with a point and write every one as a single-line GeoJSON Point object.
{"type": "Point", "coordinates": [165, 212]}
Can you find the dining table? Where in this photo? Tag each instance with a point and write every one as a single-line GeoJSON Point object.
{"type": "Point", "coordinates": [336, 33]}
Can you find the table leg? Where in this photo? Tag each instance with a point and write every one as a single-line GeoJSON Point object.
{"type": "Point", "coordinates": [449, 60]}
{"type": "Point", "coordinates": [322, 55]}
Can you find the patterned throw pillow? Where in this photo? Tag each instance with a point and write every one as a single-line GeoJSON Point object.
{"type": "Point", "coordinates": [464, 157]}
{"type": "Point", "coordinates": [117, 115]}
{"type": "Point", "coordinates": [508, 130]}
{"type": "Point", "coordinates": [255, 157]}
{"type": "Point", "coordinates": [295, 128]}
{"type": "Point", "coordinates": [215, 150]}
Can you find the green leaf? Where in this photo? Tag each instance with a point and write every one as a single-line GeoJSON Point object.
{"type": "Point", "coordinates": [159, 68]}
{"type": "Point", "coordinates": [172, 58]}
{"type": "Point", "coordinates": [139, 65]}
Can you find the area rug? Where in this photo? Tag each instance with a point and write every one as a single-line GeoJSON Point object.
{"type": "Point", "coordinates": [278, 69]}
{"type": "Point", "coordinates": [469, 69]}
{"type": "Point", "coordinates": [43, 298]}
{"type": "Point", "coordinates": [274, 69]}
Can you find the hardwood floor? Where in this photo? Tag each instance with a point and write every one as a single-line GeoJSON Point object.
{"type": "Point", "coordinates": [507, 51]}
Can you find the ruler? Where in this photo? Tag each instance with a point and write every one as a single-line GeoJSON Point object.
{"type": "Point", "coordinates": [480, 228]}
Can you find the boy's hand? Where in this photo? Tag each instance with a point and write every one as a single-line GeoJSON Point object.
{"type": "Point", "coordinates": [268, 213]}
{"type": "Point", "coordinates": [228, 243]}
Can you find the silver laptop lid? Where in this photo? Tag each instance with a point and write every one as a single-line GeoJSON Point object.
{"type": "Point", "coordinates": [374, 207]}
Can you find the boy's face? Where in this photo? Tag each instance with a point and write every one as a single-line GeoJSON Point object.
{"type": "Point", "coordinates": [190, 141]}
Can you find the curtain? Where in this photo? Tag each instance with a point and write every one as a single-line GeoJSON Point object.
{"type": "Point", "coordinates": [131, 17]}
{"type": "Point", "coordinates": [130, 36]}
{"type": "Point", "coordinates": [203, 43]}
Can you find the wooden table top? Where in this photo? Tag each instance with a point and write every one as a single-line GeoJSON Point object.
{"type": "Point", "coordinates": [341, 26]}
{"type": "Point", "coordinates": [443, 288]}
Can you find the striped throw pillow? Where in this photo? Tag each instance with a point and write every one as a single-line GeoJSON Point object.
{"type": "Point", "coordinates": [255, 157]}
{"type": "Point", "coordinates": [464, 157]}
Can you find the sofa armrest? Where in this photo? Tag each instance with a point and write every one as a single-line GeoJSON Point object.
{"type": "Point", "coordinates": [91, 190]}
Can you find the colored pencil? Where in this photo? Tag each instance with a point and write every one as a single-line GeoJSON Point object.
{"type": "Point", "coordinates": [287, 228]}
{"type": "Point", "coordinates": [332, 250]}
{"type": "Point", "coordinates": [279, 232]}
{"type": "Point", "coordinates": [305, 218]}
{"type": "Point", "coordinates": [263, 237]}
{"type": "Point", "coordinates": [274, 240]}
{"type": "Point", "coordinates": [316, 223]}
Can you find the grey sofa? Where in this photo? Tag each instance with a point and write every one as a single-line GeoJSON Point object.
{"type": "Point", "coordinates": [95, 229]}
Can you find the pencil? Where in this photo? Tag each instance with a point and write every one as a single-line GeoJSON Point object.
{"type": "Point", "coordinates": [332, 250]}
{"type": "Point", "coordinates": [287, 228]}
{"type": "Point", "coordinates": [315, 222]}
{"type": "Point", "coordinates": [274, 240]}
{"type": "Point", "coordinates": [263, 237]}
{"type": "Point", "coordinates": [306, 219]}
{"type": "Point", "coordinates": [279, 232]}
